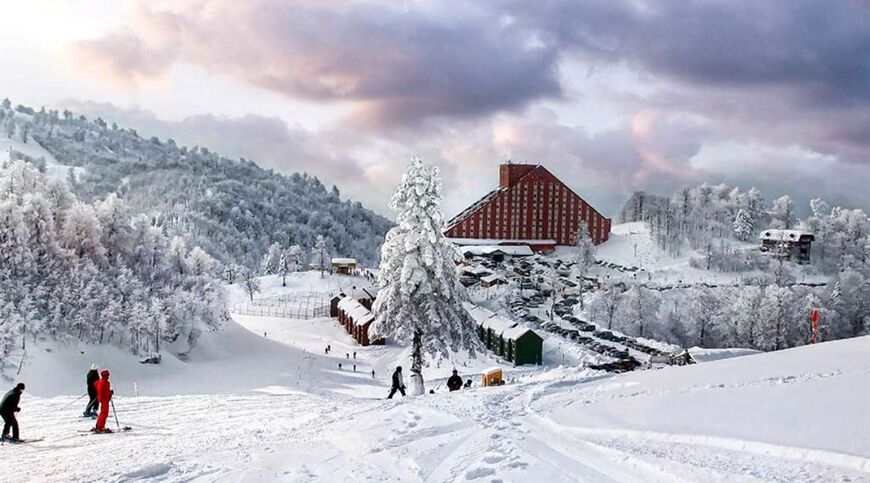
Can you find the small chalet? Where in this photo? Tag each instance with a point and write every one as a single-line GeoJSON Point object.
{"type": "Point", "coordinates": [793, 244]}
{"type": "Point", "coordinates": [492, 281]}
{"type": "Point", "coordinates": [506, 338]}
{"type": "Point", "coordinates": [356, 319]}
{"type": "Point", "coordinates": [344, 266]}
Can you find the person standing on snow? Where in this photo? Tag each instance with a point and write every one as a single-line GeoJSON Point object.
{"type": "Point", "coordinates": [398, 383]}
{"type": "Point", "coordinates": [93, 405]}
{"type": "Point", "coordinates": [104, 395]}
{"type": "Point", "coordinates": [8, 408]}
{"type": "Point", "coordinates": [454, 383]}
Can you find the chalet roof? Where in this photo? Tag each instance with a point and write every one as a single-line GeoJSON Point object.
{"type": "Point", "coordinates": [355, 311]}
{"type": "Point", "coordinates": [515, 333]}
{"type": "Point", "coordinates": [498, 324]}
{"type": "Point", "coordinates": [343, 261]}
{"type": "Point", "coordinates": [492, 278]}
{"type": "Point", "coordinates": [786, 235]}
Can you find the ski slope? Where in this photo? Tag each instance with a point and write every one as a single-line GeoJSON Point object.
{"type": "Point", "coordinates": [795, 415]}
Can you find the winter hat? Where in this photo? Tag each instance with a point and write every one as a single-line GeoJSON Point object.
{"type": "Point", "coordinates": [94, 366]}
{"type": "Point", "coordinates": [104, 373]}
{"type": "Point", "coordinates": [20, 386]}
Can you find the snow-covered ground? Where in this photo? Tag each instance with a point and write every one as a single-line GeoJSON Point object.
{"type": "Point", "coordinates": [263, 407]}
{"type": "Point", "coordinates": [34, 150]}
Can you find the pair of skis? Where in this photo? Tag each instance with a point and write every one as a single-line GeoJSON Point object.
{"type": "Point", "coordinates": [21, 441]}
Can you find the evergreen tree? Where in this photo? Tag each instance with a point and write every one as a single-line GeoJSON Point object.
{"type": "Point", "coordinates": [743, 225]}
{"type": "Point", "coordinates": [419, 297]}
{"type": "Point", "coordinates": [584, 257]}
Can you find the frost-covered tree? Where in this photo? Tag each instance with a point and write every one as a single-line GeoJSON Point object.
{"type": "Point", "coordinates": [743, 225]}
{"type": "Point", "coordinates": [272, 261]}
{"type": "Point", "coordinates": [91, 272]}
{"type": "Point", "coordinates": [605, 304]}
{"type": "Point", "coordinates": [419, 298]}
{"type": "Point", "coordinates": [639, 310]}
{"type": "Point", "coordinates": [291, 261]}
{"type": "Point", "coordinates": [782, 214]}
{"type": "Point", "coordinates": [250, 282]}
{"type": "Point", "coordinates": [774, 317]}
{"type": "Point", "coordinates": [584, 257]}
{"type": "Point", "coordinates": [704, 305]}
{"type": "Point", "coordinates": [320, 253]}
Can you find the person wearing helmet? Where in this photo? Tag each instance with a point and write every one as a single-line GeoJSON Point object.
{"type": "Point", "coordinates": [104, 395]}
{"type": "Point", "coordinates": [93, 405]}
{"type": "Point", "coordinates": [8, 408]}
{"type": "Point", "coordinates": [398, 383]}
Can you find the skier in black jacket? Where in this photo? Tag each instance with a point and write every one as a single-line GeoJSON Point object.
{"type": "Point", "coordinates": [93, 405]}
{"type": "Point", "coordinates": [8, 408]}
{"type": "Point", "coordinates": [454, 383]}
{"type": "Point", "coordinates": [398, 383]}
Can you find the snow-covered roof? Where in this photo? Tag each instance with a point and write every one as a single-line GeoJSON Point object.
{"type": "Point", "coordinates": [515, 333]}
{"type": "Point", "coordinates": [344, 261]}
{"type": "Point", "coordinates": [784, 235]}
{"type": "Point", "coordinates": [498, 324]}
{"type": "Point", "coordinates": [355, 310]}
{"type": "Point", "coordinates": [498, 241]}
{"type": "Point", "coordinates": [369, 292]}
{"type": "Point", "coordinates": [518, 250]}
{"type": "Point", "coordinates": [491, 278]}
{"type": "Point", "coordinates": [479, 271]}
{"type": "Point", "coordinates": [493, 369]}
{"type": "Point", "coordinates": [479, 313]}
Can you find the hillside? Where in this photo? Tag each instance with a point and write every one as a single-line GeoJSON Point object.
{"type": "Point", "coordinates": [232, 208]}
{"type": "Point", "coordinates": [774, 421]}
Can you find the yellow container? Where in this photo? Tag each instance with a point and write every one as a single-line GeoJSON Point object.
{"type": "Point", "coordinates": [493, 377]}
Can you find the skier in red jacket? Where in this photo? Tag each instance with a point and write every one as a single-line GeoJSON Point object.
{"type": "Point", "coordinates": [104, 395]}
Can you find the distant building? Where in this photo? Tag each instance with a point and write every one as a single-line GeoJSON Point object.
{"type": "Point", "coordinates": [794, 244]}
{"type": "Point", "coordinates": [343, 266]}
{"type": "Point", "coordinates": [530, 207]}
{"type": "Point", "coordinates": [355, 318]}
{"type": "Point", "coordinates": [492, 281]}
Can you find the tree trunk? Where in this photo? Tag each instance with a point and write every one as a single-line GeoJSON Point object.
{"type": "Point", "coordinates": [417, 386]}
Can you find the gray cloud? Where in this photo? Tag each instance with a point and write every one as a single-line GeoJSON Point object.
{"type": "Point", "coordinates": [396, 61]}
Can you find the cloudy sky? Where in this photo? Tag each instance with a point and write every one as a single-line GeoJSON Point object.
{"type": "Point", "coordinates": [611, 96]}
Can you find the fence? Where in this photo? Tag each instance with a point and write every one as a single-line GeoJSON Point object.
{"type": "Point", "coordinates": [291, 306]}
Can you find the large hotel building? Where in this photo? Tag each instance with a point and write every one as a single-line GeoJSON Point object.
{"type": "Point", "coordinates": [529, 207]}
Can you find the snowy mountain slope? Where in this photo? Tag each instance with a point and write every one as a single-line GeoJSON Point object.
{"type": "Point", "coordinates": [11, 147]}
{"type": "Point", "coordinates": [232, 208]}
{"type": "Point", "coordinates": [795, 415]}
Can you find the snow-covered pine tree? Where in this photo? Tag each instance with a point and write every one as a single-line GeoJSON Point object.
{"type": "Point", "coordinates": [419, 297]}
{"type": "Point", "coordinates": [584, 257]}
{"type": "Point", "coordinates": [743, 225]}
{"type": "Point", "coordinates": [272, 261]}
{"type": "Point", "coordinates": [291, 261]}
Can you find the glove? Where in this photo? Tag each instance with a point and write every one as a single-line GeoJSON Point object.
{"type": "Point", "coordinates": [112, 392]}
{"type": "Point", "coordinates": [17, 409]}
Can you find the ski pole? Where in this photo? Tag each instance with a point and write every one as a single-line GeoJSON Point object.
{"type": "Point", "coordinates": [73, 402]}
{"type": "Point", "coordinates": [115, 413]}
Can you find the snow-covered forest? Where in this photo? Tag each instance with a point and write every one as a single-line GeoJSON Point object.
{"type": "Point", "coordinates": [769, 307]}
{"type": "Point", "coordinates": [233, 209]}
{"type": "Point", "coordinates": [95, 272]}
